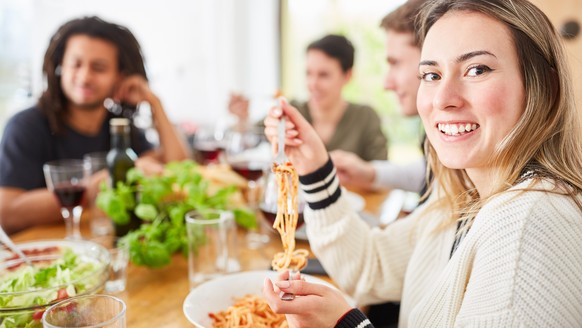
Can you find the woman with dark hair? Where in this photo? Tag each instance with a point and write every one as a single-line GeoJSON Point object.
{"type": "Point", "coordinates": [342, 125]}
{"type": "Point", "coordinates": [497, 244]}
{"type": "Point", "coordinates": [87, 61]}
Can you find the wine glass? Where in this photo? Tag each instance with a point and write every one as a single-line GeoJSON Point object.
{"type": "Point", "coordinates": [101, 225]}
{"type": "Point", "coordinates": [269, 201]}
{"type": "Point", "coordinates": [249, 154]}
{"type": "Point", "coordinates": [67, 179]}
{"type": "Point", "coordinates": [208, 144]}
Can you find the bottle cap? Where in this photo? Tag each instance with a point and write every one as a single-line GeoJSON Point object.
{"type": "Point", "coordinates": [119, 125]}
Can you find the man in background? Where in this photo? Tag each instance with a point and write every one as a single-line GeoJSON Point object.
{"type": "Point", "coordinates": [87, 61]}
{"type": "Point", "coordinates": [403, 56]}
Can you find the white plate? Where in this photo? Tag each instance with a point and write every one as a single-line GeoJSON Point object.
{"type": "Point", "coordinates": [357, 202]}
{"type": "Point", "coordinates": [218, 294]}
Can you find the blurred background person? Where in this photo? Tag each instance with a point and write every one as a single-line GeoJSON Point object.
{"type": "Point", "coordinates": [87, 61]}
{"type": "Point", "coordinates": [402, 55]}
{"type": "Point", "coordinates": [353, 128]}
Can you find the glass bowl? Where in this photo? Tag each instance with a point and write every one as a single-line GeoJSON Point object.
{"type": "Point", "coordinates": [60, 269]}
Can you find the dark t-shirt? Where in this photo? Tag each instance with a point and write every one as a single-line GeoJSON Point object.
{"type": "Point", "coordinates": [28, 143]}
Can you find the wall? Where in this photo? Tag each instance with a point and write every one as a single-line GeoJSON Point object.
{"type": "Point", "coordinates": [559, 12]}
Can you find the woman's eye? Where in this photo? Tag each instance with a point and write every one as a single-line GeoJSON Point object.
{"type": "Point", "coordinates": [478, 70]}
{"type": "Point", "coordinates": [429, 77]}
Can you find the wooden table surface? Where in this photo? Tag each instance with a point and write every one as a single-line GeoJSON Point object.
{"type": "Point", "coordinates": [154, 297]}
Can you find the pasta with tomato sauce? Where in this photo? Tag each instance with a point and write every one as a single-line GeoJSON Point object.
{"type": "Point", "coordinates": [249, 311]}
{"type": "Point", "coordinates": [287, 218]}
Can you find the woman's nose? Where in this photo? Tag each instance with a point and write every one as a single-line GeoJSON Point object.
{"type": "Point", "coordinates": [448, 95]}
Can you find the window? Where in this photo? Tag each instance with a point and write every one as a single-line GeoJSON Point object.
{"type": "Point", "coordinates": [307, 20]}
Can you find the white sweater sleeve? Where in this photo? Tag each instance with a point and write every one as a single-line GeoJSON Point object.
{"type": "Point", "coordinates": [369, 264]}
{"type": "Point", "coordinates": [409, 177]}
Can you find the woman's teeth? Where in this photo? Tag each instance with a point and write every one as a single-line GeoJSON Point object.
{"type": "Point", "coordinates": [457, 129]}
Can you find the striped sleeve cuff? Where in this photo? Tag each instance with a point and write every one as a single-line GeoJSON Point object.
{"type": "Point", "coordinates": [321, 188]}
{"type": "Point", "coordinates": [354, 319]}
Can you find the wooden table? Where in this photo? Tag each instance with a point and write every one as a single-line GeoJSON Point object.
{"type": "Point", "coordinates": [154, 297]}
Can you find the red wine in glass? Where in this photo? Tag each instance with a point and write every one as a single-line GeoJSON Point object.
{"type": "Point", "coordinates": [208, 151]}
{"type": "Point", "coordinates": [250, 170]}
{"type": "Point", "coordinates": [69, 195]}
{"type": "Point", "coordinates": [210, 156]}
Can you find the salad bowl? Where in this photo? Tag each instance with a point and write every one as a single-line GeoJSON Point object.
{"type": "Point", "coordinates": [60, 269]}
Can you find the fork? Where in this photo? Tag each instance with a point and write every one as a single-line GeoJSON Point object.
{"type": "Point", "coordinates": [289, 296]}
{"type": "Point", "coordinates": [281, 158]}
{"type": "Point", "coordinates": [4, 239]}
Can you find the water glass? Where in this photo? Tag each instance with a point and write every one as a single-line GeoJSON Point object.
{"type": "Point", "coordinates": [119, 253]}
{"type": "Point", "coordinates": [211, 245]}
{"type": "Point", "coordinates": [89, 311]}
{"type": "Point", "coordinates": [101, 225]}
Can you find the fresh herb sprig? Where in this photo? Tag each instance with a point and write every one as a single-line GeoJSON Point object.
{"type": "Point", "coordinates": [162, 203]}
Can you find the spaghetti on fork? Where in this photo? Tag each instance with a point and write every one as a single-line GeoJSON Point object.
{"type": "Point", "coordinates": [287, 218]}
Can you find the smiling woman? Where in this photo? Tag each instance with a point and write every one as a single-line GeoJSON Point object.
{"type": "Point", "coordinates": [469, 84]}
{"type": "Point", "coordinates": [504, 146]}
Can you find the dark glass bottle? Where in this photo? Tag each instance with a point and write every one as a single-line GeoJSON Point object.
{"type": "Point", "coordinates": [120, 159]}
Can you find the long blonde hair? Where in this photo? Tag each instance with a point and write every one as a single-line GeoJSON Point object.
{"type": "Point", "coordinates": [547, 139]}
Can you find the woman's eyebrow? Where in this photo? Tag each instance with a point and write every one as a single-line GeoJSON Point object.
{"type": "Point", "coordinates": [461, 58]}
{"type": "Point", "coordinates": [472, 54]}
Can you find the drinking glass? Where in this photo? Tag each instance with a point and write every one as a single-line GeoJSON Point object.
{"type": "Point", "coordinates": [119, 253]}
{"type": "Point", "coordinates": [67, 179]}
{"type": "Point", "coordinates": [208, 144]}
{"type": "Point", "coordinates": [212, 249]}
{"type": "Point", "coordinates": [101, 225]}
{"type": "Point", "coordinates": [249, 154]}
{"type": "Point", "coordinates": [269, 201]}
{"type": "Point", "coordinates": [89, 311]}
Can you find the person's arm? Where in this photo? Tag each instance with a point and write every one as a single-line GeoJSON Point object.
{"type": "Point", "coordinates": [409, 177]}
{"type": "Point", "coordinates": [368, 264]}
{"type": "Point", "coordinates": [238, 105]}
{"type": "Point", "coordinates": [25, 147]}
{"type": "Point", "coordinates": [173, 147]}
{"type": "Point", "coordinates": [20, 209]}
{"type": "Point", "coordinates": [353, 171]}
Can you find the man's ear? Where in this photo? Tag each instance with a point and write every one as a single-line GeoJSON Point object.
{"type": "Point", "coordinates": [348, 75]}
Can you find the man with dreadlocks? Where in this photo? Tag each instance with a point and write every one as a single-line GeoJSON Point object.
{"type": "Point", "coordinates": [87, 61]}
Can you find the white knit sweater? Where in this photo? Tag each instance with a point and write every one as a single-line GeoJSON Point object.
{"type": "Point", "coordinates": [520, 265]}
